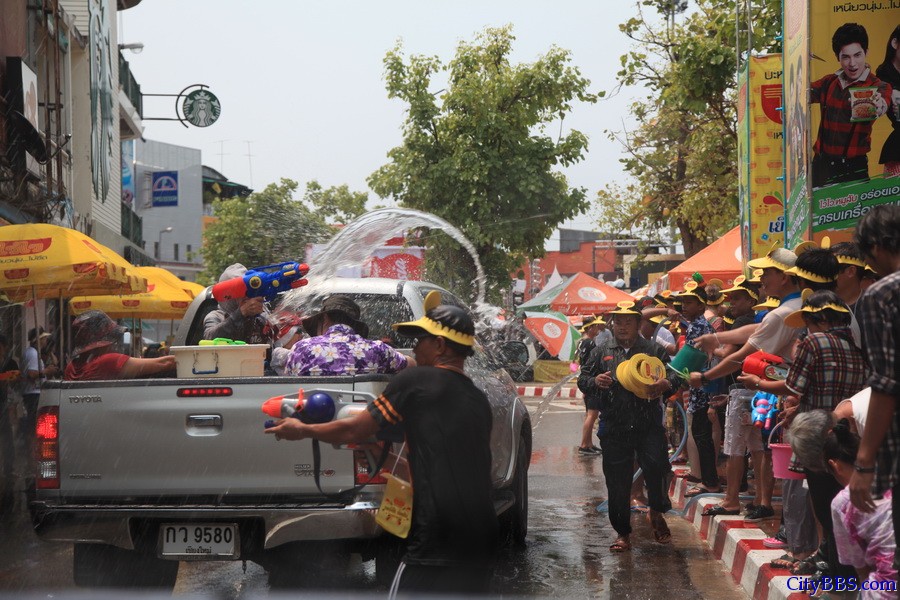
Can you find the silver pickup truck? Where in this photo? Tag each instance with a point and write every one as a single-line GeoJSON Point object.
{"type": "Point", "coordinates": [141, 474]}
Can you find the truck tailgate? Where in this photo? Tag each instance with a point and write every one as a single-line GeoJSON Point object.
{"type": "Point", "coordinates": [139, 439]}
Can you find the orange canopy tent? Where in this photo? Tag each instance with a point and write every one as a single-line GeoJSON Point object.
{"type": "Point", "coordinates": [579, 294]}
{"type": "Point", "coordinates": [720, 260]}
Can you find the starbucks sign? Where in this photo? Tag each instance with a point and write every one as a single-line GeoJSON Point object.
{"type": "Point", "coordinates": [201, 108]}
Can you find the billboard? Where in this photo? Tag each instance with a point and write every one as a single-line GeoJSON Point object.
{"type": "Point", "coordinates": [761, 151]}
{"type": "Point", "coordinates": [796, 121]}
{"type": "Point", "coordinates": [164, 188]}
{"type": "Point", "coordinates": [853, 70]}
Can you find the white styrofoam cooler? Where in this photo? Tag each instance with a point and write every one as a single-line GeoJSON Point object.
{"type": "Point", "coordinates": [219, 361]}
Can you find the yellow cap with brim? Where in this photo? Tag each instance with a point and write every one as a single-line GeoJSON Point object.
{"type": "Point", "coordinates": [770, 303]}
{"type": "Point", "coordinates": [795, 319]}
{"type": "Point", "coordinates": [738, 286]}
{"type": "Point", "coordinates": [596, 321]}
{"type": "Point", "coordinates": [755, 276]}
{"type": "Point", "coordinates": [625, 307]}
{"type": "Point", "coordinates": [728, 320]}
{"type": "Point", "coordinates": [871, 270]}
{"type": "Point", "coordinates": [662, 297]}
{"type": "Point", "coordinates": [429, 325]}
{"type": "Point", "coordinates": [851, 260]}
{"type": "Point", "coordinates": [777, 258]}
{"type": "Point", "coordinates": [808, 275]}
{"type": "Point", "coordinates": [692, 288]}
{"type": "Point", "coordinates": [658, 319]}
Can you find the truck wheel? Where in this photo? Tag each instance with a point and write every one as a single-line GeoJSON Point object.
{"type": "Point", "coordinates": [100, 565]}
{"type": "Point", "coordinates": [387, 559]}
{"type": "Point", "coordinates": [514, 522]}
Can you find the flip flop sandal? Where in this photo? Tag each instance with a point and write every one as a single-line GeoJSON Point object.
{"type": "Point", "coordinates": [620, 545]}
{"type": "Point", "coordinates": [719, 510]}
{"type": "Point", "coordinates": [785, 561]}
{"type": "Point", "coordinates": [696, 491]}
{"type": "Point", "coordinates": [804, 568]}
{"type": "Point", "coordinates": [661, 532]}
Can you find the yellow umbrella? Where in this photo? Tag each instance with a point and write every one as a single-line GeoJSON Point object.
{"type": "Point", "coordinates": [40, 260]}
{"type": "Point", "coordinates": [191, 288]}
{"type": "Point", "coordinates": [162, 300]}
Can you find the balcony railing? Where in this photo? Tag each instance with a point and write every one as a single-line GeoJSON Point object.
{"type": "Point", "coordinates": [132, 226]}
{"type": "Point", "coordinates": [130, 85]}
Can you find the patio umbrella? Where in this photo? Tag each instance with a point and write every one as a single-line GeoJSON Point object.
{"type": "Point", "coordinates": [554, 332]}
{"type": "Point", "coordinates": [579, 294]}
{"type": "Point", "coordinates": [164, 299]}
{"type": "Point", "coordinates": [39, 260]}
{"type": "Point", "coordinates": [191, 288]}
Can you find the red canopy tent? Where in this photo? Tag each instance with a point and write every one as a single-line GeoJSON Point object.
{"type": "Point", "coordinates": [579, 294]}
{"type": "Point", "coordinates": [720, 260]}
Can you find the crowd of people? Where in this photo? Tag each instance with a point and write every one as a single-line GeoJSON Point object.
{"type": "Point", "coordinates": [807, 344]}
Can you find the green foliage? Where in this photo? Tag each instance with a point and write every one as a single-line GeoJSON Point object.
{"type": "Point", "coordinates": [479, 154]}
{"type": "Point", "coordinates": [335, 203]}
{"type": "Point", "coordinates": [683, 153]}
{"type": "Point", "coordinates": [264, 228]}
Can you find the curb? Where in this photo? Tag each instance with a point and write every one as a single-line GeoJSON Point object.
{"type": "Point", "coordinates": [539, 391]}
{"type": "Point", "coordinates": [737, 544]}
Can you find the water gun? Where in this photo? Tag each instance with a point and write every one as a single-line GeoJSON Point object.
{"type": "Point", "coordinates": [765, 366]}
{"type": "Point", "coordinates": [318, 408]}
{"type": "Point", "coordinates": [266, 282]}
{"type": "Point", "coordinates": [763, 409]}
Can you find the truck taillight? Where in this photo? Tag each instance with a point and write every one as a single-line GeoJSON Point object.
{"type": "Point", "coordinates": [361, 468]}
{"type": "Point", "coordinates": [47, 448]}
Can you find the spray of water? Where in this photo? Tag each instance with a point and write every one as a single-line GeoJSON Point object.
{"type": "Point", "coordinates": [354, 244]}
{"type": "Point", "coordinates": [547, 399]}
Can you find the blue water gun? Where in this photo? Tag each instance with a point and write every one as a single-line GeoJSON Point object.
{"type": "Point", "coordinates": [266, 282]}
{"type": "Point", "coordinates": [763, 408]}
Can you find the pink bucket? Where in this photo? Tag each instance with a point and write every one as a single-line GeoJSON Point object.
{"type": "Point", "coordinates": [781, 459]}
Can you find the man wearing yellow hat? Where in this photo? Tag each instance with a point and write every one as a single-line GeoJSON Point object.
{"type": "Point", "coordinates": [586, 345]}
{"type": "Point", "coordinates": [630, 426]}
{"type": "Point", "coordinates": [447, 424]}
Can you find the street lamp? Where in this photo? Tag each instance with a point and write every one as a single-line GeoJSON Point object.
{"type": "Point", "coordinates": [159, 243]}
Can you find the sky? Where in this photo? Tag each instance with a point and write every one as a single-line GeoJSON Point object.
{"type": "Point", "coordinates": [301, 88]}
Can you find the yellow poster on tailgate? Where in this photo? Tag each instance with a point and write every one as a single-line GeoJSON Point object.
{"type": "Point", "coordinates": [763, 193]}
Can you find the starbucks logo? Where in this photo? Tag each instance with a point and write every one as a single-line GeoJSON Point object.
{"type": "Point", "coordinates": [201, 108]}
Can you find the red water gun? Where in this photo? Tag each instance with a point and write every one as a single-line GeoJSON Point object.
{"type": "Point", "coordinates": [765, 366]}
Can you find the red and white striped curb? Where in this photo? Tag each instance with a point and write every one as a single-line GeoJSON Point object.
{"type": "Point", "coordinates": [539, 391]}
{"type": "Point", "coordinates": [740, 546]}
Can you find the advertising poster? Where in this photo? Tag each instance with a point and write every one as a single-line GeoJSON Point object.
{"type": "Point", "coordinates": [128, 173]}
{"type": "Point", "coordinates": [796, 121]}
{"type": "Point", "coordinates": [856, 148]}
{"type": "Point", "coordinates": [762, 153]}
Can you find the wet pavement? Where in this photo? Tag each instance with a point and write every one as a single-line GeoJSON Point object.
{"type": "Point", "coordinates": [566, 555]}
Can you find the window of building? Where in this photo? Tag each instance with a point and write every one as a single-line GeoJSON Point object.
{"type": "Point", "coordinates": [176, 251]}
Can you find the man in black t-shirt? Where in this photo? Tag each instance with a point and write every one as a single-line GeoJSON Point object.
{"type": "Point", "coordinates": [447, 423]}
{"type": "Point", "coordinates": [8, 369]}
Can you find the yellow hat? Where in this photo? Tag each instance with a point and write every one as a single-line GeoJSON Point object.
{"type": "Point", "coordinates": [443, 320]}
{"type": "Point", "coordinates": [658, 319]}
{"type": "Point", "coordinates": [805, 246]}
{"type": "Point", "coordinates": [850, 260]}
{"type": "Point", "coordinates": [728, 320]}
{"type": "Point", "coordinates": [595, 321]}
{"type": "Point", "coordinates": [808, 275]}
{"type": "Point", "coordinates": [692, 288]}
{"type": "Point", "coordinates": [625, 307]}
{"type": "Point", "coordinates": [740, 285]}
{"type": "Point", "coordinates": [795, 319]}
{"type": "Point", "coordinates": [770, 303]}
{"type": "Point", "coordinates": [755, 276]}
{"type": "Point", "coordinates": [639, 372]}
{"type": "Point", "coordinates": [777, 258]}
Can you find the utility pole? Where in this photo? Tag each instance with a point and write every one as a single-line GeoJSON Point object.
{"type": "Point", "coordinates": [250, 162]}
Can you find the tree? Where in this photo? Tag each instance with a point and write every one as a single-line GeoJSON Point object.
{"type": "Point", "coordinates": [336, 202]}
{"type": "Point", "coordinates": [263, 228]}
{"type": "Point", "coordinates": [479, 153]}
{"type": "Point", "coordinates": [683, 153]}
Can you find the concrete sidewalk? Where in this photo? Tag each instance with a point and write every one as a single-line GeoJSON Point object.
{"type": "Point", "coordinates": [738, 544]}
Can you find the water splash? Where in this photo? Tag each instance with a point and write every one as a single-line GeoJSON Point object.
{"type": "Point", "coordinates": [548, 398]}
{"type": "Point", "coordinates": [354, 244]}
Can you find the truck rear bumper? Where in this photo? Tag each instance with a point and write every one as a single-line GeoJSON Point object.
{"type": "Point", "coordinates": [116, 524]}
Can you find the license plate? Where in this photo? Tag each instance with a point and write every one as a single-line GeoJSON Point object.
{"type": "Point", "coordinates": [198, 541]}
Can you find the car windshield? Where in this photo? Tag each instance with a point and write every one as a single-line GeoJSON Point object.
{"type": "Point", "coordinates": [378, 311]}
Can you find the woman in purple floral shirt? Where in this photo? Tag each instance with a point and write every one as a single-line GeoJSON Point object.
{"type": "Point", "coordinates": [337, 348]}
